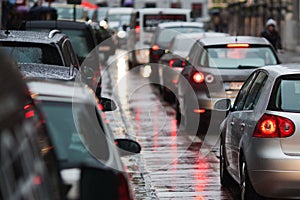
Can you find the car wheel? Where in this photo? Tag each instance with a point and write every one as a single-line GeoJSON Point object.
{"type": "Point", "coordinates": [247, 190]}
{"type": "Point", "coordinates": [224, 175]}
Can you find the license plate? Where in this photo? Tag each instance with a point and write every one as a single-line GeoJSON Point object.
{"type": "Point", "coordinates": [235, 85]}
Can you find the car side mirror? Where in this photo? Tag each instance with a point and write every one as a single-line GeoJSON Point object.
{"type": "Point", "coordinates": [128, 146]}
{"type": "Point", "coordinates": [107, 104]}
{"type": "Point", "coordinates": [223, 105]}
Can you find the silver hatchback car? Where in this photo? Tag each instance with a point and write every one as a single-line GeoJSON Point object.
{"type": "Point", "coordinates": [260, 137]}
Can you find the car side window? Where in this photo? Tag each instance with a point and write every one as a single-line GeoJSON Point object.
{"type": "Point", "coordinates": [241, 97]}
{"type": "Point", "coordinates": [193, 54]}
{"type": "Point", "coordinates": [255, 91]}
{"type": "Point", "coordinates": [69, 54]}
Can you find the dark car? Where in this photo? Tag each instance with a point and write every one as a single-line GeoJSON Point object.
{"type": "Point", "coordinates": [163, 35]}
{"type": "Point", "coordinates": [82, 140]}
{"type": "Point", "coordinates": [35, 47]}
{"type": "Point", "coordinates": [27, 161]}
{"type": "Point", "coordinates": [80, 33]}
{"type": "Point", "coordinates": [83, 39]}
{"type": "Point", "coordinates": [260, 136]}
{"type": "Point", "coordinates": [218, 68]}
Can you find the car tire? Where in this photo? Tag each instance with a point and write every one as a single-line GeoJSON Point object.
{"type": "Point", "coordinates": [247, 190]}
{"type": "Point", "coordinates": [225, 177]}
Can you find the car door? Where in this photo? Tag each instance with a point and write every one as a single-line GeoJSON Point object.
{"type": "Point", "coordinates": [234, 126]}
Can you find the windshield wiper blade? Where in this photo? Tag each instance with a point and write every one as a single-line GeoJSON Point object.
{"type": "Point", "coordinates": [247, 67]}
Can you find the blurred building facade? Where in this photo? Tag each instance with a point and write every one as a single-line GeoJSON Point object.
{"type": "Point", "coordinates": [248, 17]}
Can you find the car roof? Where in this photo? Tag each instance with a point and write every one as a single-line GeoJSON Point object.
{"type": "Point", "coordinates": [163, 10]}
{"type": "Point", "coordinates": [56, 24]}
{"type": "Point", "coordinates": [176, 24]}
{"type": "Point", "coordinates": [120, 10]}
{"type": "Point", "coordinates": [61, 91]}
{"type": "Point", "coordinates": [282, 69]}
{"type": "Point", "coordinates": [197, 36]}
{"type": "Point", "coordinates": [38, 70]}
{"type": "Point", "coordinates": [31, 36]}
{"type": "Point", "coordinates": [233, 39]}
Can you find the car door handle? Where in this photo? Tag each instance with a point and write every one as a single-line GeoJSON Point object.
{"type": "Point", "coordinates": [243, 125]}
{"type": "Point", "coordinates": [231, 123]}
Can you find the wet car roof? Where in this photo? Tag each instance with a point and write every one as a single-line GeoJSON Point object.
{"type": "Point", "coordinates": [178, 24]}
{"type": "Point", "coordinates": [234, 39]}
{"type": "Point", "coordinates": [283, 69]}
{"type": "Point", "coordinates": [61, 90]}
{"type": "Point", "coordinates": [59, 24]}
{"type": "Point", "coordinates": [29, 36]}
{"type": "Point", "coordinates": [48, 71]}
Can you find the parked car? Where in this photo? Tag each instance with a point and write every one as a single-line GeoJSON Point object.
{"type": "Point", "coordinates": [143, 23]}
{"type": "Point", "coordinates": [260, 135]}
{"type": "Point", "coordinates": [36, 47]}
{"type": "Point", "coordinates": [82, 140]}
{"type": "Point", "coordinates": [217, 68]}
{"type": "Point", "coordinates": [27, 161]}
{"type": "Point", "coordinates": [173, 61]}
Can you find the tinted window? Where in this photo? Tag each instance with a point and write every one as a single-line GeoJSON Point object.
{"type": "Point", "coordinates": [76, 132]}
{"type": "Point", "coordinates": [32, 53]}
{"type": "Point", "coordinates": [67, 13]}
{"type": "Point", "coordinates": [286, 94]}
{"type": "Point", "coordinates": [151, 21]}
{"type": "Point", "coordinates": [166, 35]}
{"type": "Point", "coordinates": [255, 91]}
{"type": "Point", "coordinates": [242, 95]}
{"type": "Point", "coordinates": [233, 58]}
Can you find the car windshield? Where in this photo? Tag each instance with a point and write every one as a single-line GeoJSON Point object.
{"type": "Point", "coordinates": [75, 132]}
{"type": "Point", "coordinates": [32, 53]}
{"type": "Point", "coordinates": [234, 58]}
{"type": "Point", "coordinates": [81, 40]}
{"type": "Point", "coordinates": [288, 94]}
{"type": "Point", "coordinates": [67, 13]}
{"type": "Point", "coordinates": [166, 35]}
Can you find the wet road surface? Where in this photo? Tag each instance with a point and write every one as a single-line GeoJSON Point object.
{"type": "Point", "coordinates": [172, 165]}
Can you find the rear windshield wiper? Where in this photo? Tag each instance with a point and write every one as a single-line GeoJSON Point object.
{"type": "Point", "coordinates": [246, 67]}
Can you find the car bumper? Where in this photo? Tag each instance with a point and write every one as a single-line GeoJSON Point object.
{"type": "Point", "coordinates": [273, 174]}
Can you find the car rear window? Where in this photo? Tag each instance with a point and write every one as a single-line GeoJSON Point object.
{"type": "Point", "coordinates": [286, 94]}
{"type": "Point", "coordinates": [233, 58]}
{"type": "Point", "coordinates": [150, 22]}
{"type": "Point", "coordinates": [76, 133]}
{"type": "Point", "coordinates": [166, 35]}
{"type": "Point", "coordinates": [32, 53]}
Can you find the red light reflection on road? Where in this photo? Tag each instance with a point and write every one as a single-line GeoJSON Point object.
{"type": "Point", "coordinates": [174, 144]}
{"type": "Point", "coordinates": [138, 120]}
{"type": "Point", "coordinates": [200, 176]}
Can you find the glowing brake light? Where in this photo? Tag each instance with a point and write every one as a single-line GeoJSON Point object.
{"type": "Point", "coordinates": [172, 61]}
{"type": "Point", "coordinates": [155, 47]}
{"type": "Point", "coordinates": [238, 45]}
{"type": "Point", "coordinates": [198, 77]}
{"type": "Point", "coordinates": [272, 126]}
{"type": "Point", "coordinates": [137, 29]}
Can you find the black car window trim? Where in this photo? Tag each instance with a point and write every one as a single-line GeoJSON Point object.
{"type": "Point", "coordinates": [255, 91]}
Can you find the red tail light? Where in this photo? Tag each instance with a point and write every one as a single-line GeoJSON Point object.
{"type": "Point", "coordinates": [123, 189]}
{"type": "Point", "coordinates": [272, 126]}
{"type": "Point", "coordinates": [198, 77]}
{"type": "Point", "coordinates": [137, 29]}
{"type": "Point", "coordinates": [171, 62]}
{"type": "Point", "coordinates": [29, 112]}
{"type": "Point", "coordinates": [155, 47]}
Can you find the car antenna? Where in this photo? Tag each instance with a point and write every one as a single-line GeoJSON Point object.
{"type": "Point", "coordinates": [236, 37]}
{"type": "Point", "coordinates": [7, 32]}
